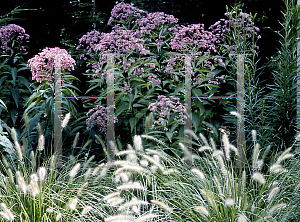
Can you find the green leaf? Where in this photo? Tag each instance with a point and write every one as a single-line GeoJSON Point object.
{"type": "Point", "coordinates": [3, 79]}
{"type": "Point", "coordinates": [169, 135]}
{"type": "Point", "coordinates": [15, 94]}
{"type": "Point", "coordinates": [14, 74]}
{"type": "Point", "coordinates": [133, 121]}
{"type": "Point", "coordinates": [13, 114]}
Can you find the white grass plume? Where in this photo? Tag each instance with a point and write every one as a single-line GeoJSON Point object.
{"type": "Point", "coordinates": [132, 203]}
{"type": "Point", "coordinates": [259, 177]}
{"type": "Point", "coordinates": [21, 182]}
{"type": "Point", "coordinates": [66, 120]}
{"type": "Point", "coordinates": [273, 192]}
{"type": "Point", "coordinates": [202, 210]}
{"type": "Point", "coordinates": [86, 209]}
{"type": "Point", "coordinates": [146, 217]}
{"type": "Point", "coordinates": [162, 205]}
{"type": "Point", "coordinates": [74, 170]}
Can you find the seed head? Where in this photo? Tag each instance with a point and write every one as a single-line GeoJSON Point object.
{"type": "Point", "coordinates": [273, 192]}
{"type": "Point", "coordinates": [259, 178]}
{"type": "Point", "coordinates": [21, 182]}
{"type": "Point", "coordinates": [137, 140]}
{"type": "Point", "coordinates": [162, 205]}
{"type": "Point", "coordinates": [86, 209]}
{"type": "Point", "coordinates": [66, 120]}
{"type": "Point", "coordinates": [73, 203]}
{"type": "Point", "coordinates": [42, 173]}
{"type": "Point", "coordinates": [198, 173]}
{"type": "Point", "coordinates": [229, 202]}
{"type": "Point", "coordinates": [41, 143]}
{"type": "Point", "coordinates": [74, 170]}
{"type": "Point", "coordinates": [202, 210]}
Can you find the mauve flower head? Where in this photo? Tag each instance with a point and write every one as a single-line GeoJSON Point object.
{"type": "Point", "coordinates": [44, 63]}
{"type": "Point", "coordinates": [154, 20]}
{"type": "Point", "coordinates": [238, 24]}
{"type": "Point", "coordinates": [98, 116]}
{"type": "Point", "coordinates": [163, 108]}
{"type": "Point", "coordinates": [124, 12]}
{"type": "Point", "coordinates": [11, 33]}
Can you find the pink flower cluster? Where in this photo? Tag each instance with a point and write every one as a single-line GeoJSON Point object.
{"type": "Point", "coordinates": [164, 106]}
{"type": "Point", "coordinates": [98, 116]}
{"type": "Point", "coordinates": [153, 20]}
{"type": "Point", "coordinates": [88, 41]}
{"type": "Point", "coordinates": [241, 25]}
{"type": "Point", "coordinates": [11, 33]}
{"type": "Point", "coordinates": [123, 12]}
{"type": "Point", "coordinates": [193, 36]}
{"type": "Point", "coordinates": [43, 63]}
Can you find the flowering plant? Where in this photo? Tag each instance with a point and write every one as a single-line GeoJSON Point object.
{"type": "Point", "coordinates": [10, 35]}
{"type": "Point", "coordinates": [43, 63]}
{"type": "Point", "coordinates": [150, 63]}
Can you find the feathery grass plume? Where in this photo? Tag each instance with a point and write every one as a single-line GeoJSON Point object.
{"type": "Point", "coordinates": [66, 120]}
{"type": "Point", "coordinates": [146, 217]}
{"type": "Point", "coordinates": [121, 217]}
{"type": "Point", "coordinates": [171, 171]}
{"type": "Point", "coordinates": [266, 152]}
{"type": "Point", "coordinates": [222, 165]}
{"type": "Point", "coordinates": [187, 153]}
{"type": "Point", "coordinates": [132, 186]}
{"type": "Point", "coordinates": [203, 148]}
{"type": "Point", "coordinates": [49, 210]}
{"type": "Point", "coordinates": [115, 201]}
{"type": "Point", "coordinates": [4, 161]}
{"type": "Point", "coordinates": [132, 158]}
{"type": "Point", "coordinates": [259, 178]}
{"type": "Point", "coordinates": [21, 182]}
{"type": "Point", "coordinates": [123, 163]}
{"type": "Point", "coordinates": [75, 140]}
{"type": "Point", "coordinates": [103, 172]}
{"type": "Point", "coordinates": [58, 217]}
{"type": "Point", "coordinates": [217, 153]}
{"type": "Point", "coordinates": [236, 114]}
{"type": "Point", "coordinates": [153, 138]}
{"type": "Point", "coordinates": [7, 213]}
{"type": "Point", "coordinates": [52, 162]}
{"type": "Point", "coordinates": [242, 218]}
{"type": "Point", "coordinates": [188, 131]}
{"type": "Point", "coordinates": [213, 144]}
{"type": "Point", "coordinates": [72, 204]}
{"type": "Point", "coordinates": [86, 209]}
{"type": "Point", "coordinates": [83, 186]}
{"type": "Point", "coordinates": [244, 180]}
{"type": "Point", "coordinates": [88, 162]}
{"type": "Point", "coordinates": [42, 173]}
{"type": "Point", "coordinates": [87, 174]}
{"type": "Point", "coordinates": [24, 145]}
{"type": "Point", "coordinates": [19, 152]}
{"type": "Point", "coordinates": [26, 122]}
{"type": "Point", "coordinates": [74, 170]}
{"type": "Point", "coordinates": [277, 168]}
{"type": "Point", "coordinates": [34, 177]}
{"type": "Point", "coordinates": [101, 142]}
{"type": "Point", "coordinates": [86, 144]}
{"type": "Point", "coordinates": [218, 186]}
{"type": "Point", "coordinates": [275, 208]}
{"type": "Point", "coordinates": [198, 173]}
{"type": "Point", "coordinates": [41, 143]}
{"type": "Point", "coordinates": [144, 163]}
{"type": "Point", "coordinates": [229, 202]}
{"type": "Point", "coordinates": [114, 147]}
{"type": "Point", "coordinates": [32, 160]}
{"type": "Point", "coordinates": [137, 141]}
{"type": "Point", "coordinates": [14, 134]}
{"type": "Point", "coordinates": [96, 170]}
{"type": "Point", "coordinates": [132, 203]}
{"type": "Point", "coordinates": [253, 132]}
{"type": "Point", "coordinates": [154, 161]}
{"type": "Point", "coordinates": [112, 195]}
{"type": "Point", "coordinates": [255, 155]}
{"type": "Point", "coordinates": [40, 129]}
{"type": "Point", "coordinates": [33, 188]}
{"type": "Point", "coordinates": [273, 192]}
{"type": "Point", "coordinates": [136, 168]}
{"type": "Point", "coordinates": [125, 152]}
{"type": "Point", "coordinates": [203, 139]}
{"type": "Point", "coordinates": [162, 205]}
{"type": "Point", "coordinates": [226, 145]}
{"type": "Point", "coordinates": [10, 175]}
{"type": "Point", "coordinates": [285, 155]}
{"type": "Point", "coordinates": [202, 210]}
